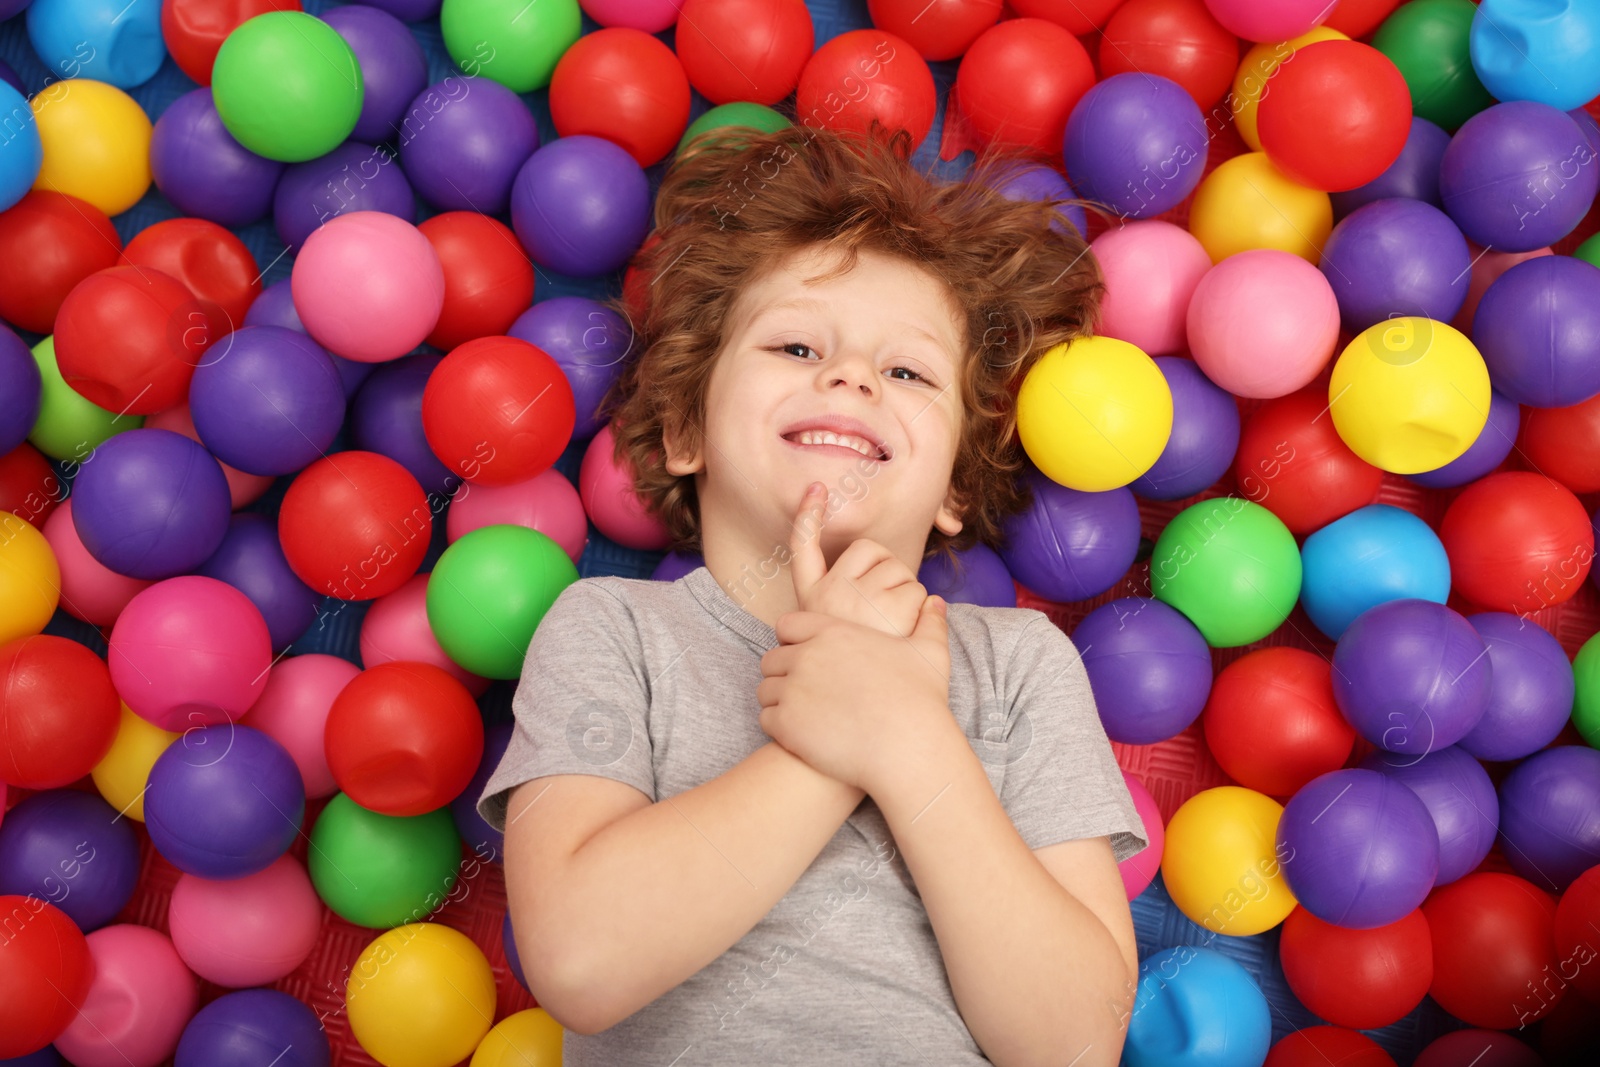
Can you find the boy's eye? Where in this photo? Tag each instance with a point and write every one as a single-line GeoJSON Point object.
{"type": "Point", "coordinates": [915, 375]}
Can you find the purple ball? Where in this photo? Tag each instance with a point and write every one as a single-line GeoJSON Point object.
{"type": "Point", "coordinates": [1538, 328]}
{"type": "Point", "coordinates": [1037, 181]}
{"type": "Point", "coordinates": [45, 1057]}
{"type": "Point", "coordinates": [1518, 176]}
{"type": "Point", "coordinates": [1590, 126]}
{"type": "Point", "coordinates": [353, 177]}
{"type": "Point", "coordinates": [151, 504]}
{"type": "Point", "coordinates": [983, 579]}
{"type": "Point", "coordinates": [393, 68]}
{"type": "Point", "coordinates": [513, 957]}
{"type": "Point", "coordinates": [198, 165]}
{"type": "Point", "coordinates": [251, 560]}
{"type": "Point", "coordinates": [72, 849]}
{"type": "Point", "coordinates": [1396, 257]}
{"type": "Point", "coordinates": [223, 801]}
{"type": "Point", "coordinates": [484, 840]}
{"type": "Point", "coordinates": [267, 400]}
{"type": "Point", "coordinates": [581, 206]}
{"type": "Point", "coordinates": [1550, 815]}
{"type": "Point", "coordinates": [588, 340]}
{"type": "Point", "coordinates": [21, 389]}
{"type": "Point", "coordinates": [1459, 797]}
{"type": "Point", "coordinates": [386, 418]}
{"type": "Point", "coordinates": [1149, 667]}
{"type": "Point", "coordinates": [7, 75]}
{"type": "Point", "coordinates": [1361, 850]}
{"type": "Point", "coordinates": [1205, 434]}
{"type": "Point", "coordinates": [462, 142]}
{"type": "Point", "coordinates": [275, 307]}
{"type": "Point", "coordinates": [675, 565]}
{"type": "Point", "coordinates": [1487, 451]}
{"type": "Point", "coordinates": [253, 1028]}
{"type": "Point", "coordinates": [409, 10]}
{"type": "Point", "coordinates": [1137, 144]}
{"type": "Point", "coordinates": [1070, 545]}
{"type": "Point", "coordinates": [1414, 175]}
{"type": "Point", "coordinates": [1530, 688]}
{"type": "Point", "coordinates": [1411, 676]}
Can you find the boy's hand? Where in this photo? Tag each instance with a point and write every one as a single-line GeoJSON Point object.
{"type": "Point", "coordinates": [868, 585]}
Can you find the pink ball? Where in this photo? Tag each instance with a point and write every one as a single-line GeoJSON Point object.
{"type": "Point", "coordinates": [189, 651]}
{"type": "Point", "coordinates": [1263, 323]}
{"type": "Point", "coordinates": [242, 488]}
{"type": "Point", "coordinates": [1270, 20]}
{"type": "Point", "coordinates": [546, 502]}
{"type": "Point", "coordinates": [1486, 270]}
{"type": "Point", "coordinates": [368, 286]}
{"type": "Point", "coordinates": [90, 590]}
{"type": "Point", "coordinates": [141, 998]}
{"type": "Point", "coordinates": [1139, 869]}
{"type": "Point", "coordinates": [396, 628]}
{"type": "Point", "coordinates": [246, 931]}
{"type": "Point", "coordinates": [293, 710]}
{"type": "Point", "coordinates": [651, 16]}
{"type": "Point", "coordinates": [610, 502]}
{"type": "Point", "coordinates": [1151, 270]}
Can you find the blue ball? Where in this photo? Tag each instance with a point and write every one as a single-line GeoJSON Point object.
{"type": "Point", "coordinates": [1371, 556]}
{"type": "Point", "coordinates": [1137, 144]}
{"type": "Point", "coordinates": [1542, 51]}
{"type": "Point", "coordinates": [254, 1028]}
{"type": "Point", "coordinates": [1197, 1008]}
{"type": "Point", "coordinates": [21, 154]}
{"type": "Point", "coordinates": [113, 41]}
{"type": "Point", "coordinates": [1205, 434]}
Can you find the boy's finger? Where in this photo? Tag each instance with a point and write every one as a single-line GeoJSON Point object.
{"type": "Point", "coordinates": [807, 566]}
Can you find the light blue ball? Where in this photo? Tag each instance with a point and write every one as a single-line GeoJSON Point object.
{"type": "Point", "coordinates": [21, 154]}
{"type": "Point", "coordinates": [1542, 50]}
{"type": "Point", "coordinates": [114, 41]}
{"type": "Point", "coordinates": [1197, 1008]}
{"type": "Point", "coordinates": [1371, 556]}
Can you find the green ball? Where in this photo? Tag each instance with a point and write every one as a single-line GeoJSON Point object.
{"type": "Point", "coordinates": [1589, 251]}
{"type": "Point", "coordinates": [1428, 41]}
{"type": "Point", "coordinates": [382, 871]}
{"type": "Point", "coordinates": [1229, 565]}
{"type": "Point", "coordinates": [488, 592]}
{"type": "Point", "coordinates": [1586, 697]}
{"type": "Point", "coordinates": [514, 42]}
{"type": "Point", "coordinates": [287, 86]}
{"type": "Point", "coordinates": [70, 427]}
{"type": "Point", "coordinates": [743, 113]}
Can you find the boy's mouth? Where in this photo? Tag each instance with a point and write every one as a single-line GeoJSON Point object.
{"type": "Point", "coordinates": [842, 444]}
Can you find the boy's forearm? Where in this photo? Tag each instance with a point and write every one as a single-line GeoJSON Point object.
{"type": "Point", "coordinates": [656, 896]}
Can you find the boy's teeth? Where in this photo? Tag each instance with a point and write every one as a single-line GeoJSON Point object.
{"type": "Point", "coordinates": [823, 437]}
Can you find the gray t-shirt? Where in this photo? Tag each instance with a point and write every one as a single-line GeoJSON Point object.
{"type": "Point", "coordinates": [653, 684]}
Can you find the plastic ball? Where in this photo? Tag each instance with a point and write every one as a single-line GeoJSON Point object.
{"type": "Point", "coordinates": [547, 503]}
{"type": "Point", "coordinates": [242, 488]}
{"type": "Point", "coordinates": [624, 85]}
{"type": "Point", "coordinates": [462, 144]}
{"type": "Point", "coordinates": [1560, 442]}
{"type": "Point", "coordinates": [476, 833]}
{"type": "Point", "coordinates": [1229, 565]}
{"type": "Point", "coordinates": [488, 280]}
{"type": "Point", "coordinates": [1487, 451]}
{"type": "Point", "coordinates": [752, 50]}
{"type": "Point", "coordinates": [509, 942]}
{"type": "Point", "coordinates": [1148, 666]}
{"type": "Point", "coordinates": [1550, 815]}
{"type": "Point", "coordinates": [530, 1035]}
{"type": "Point", "coordinates": [248, 1028]}
{"type": "Point", "coordinates": [1151, 269]}
{"type": "Point", "coordinates": [1539, 53]}
{"type": "Point", "coordinates": [421, 996]}
{"type": "Point", "coordinates": [651, 16]}
{"type": "Point", "coordinates": [198, 165]}
{"type": "Point", "coordinates": [942, 31]}
{"type": "Point", "coordinates": [492, 588]}
{"type": "Point", "coordinates": [58, 711]}
{"type": "Point", "coordinates": [1411, 676]}
{"type": "Point", "coordinates": [1482, 1048]}
{"type": "Point", "coordinates": [1396, 257]}
{"type": "Point", "coordinates": [355, 525]}
{"type": "Point", "coordinates": [368, 286]}
{"type": "Point", "coordinates": [475, 404]}
{"type": "Point", "coordinates": [1192, 1004]}
{"type": "Point", "coordinates": [49, 242]}
{"type": "Point", "coordinates": [251, 560]}
{"type": "Point", "coordinates": [193, 30]}
{"type": "Point", "coordinates": [1139, 869]}
{"type": "Point", "coordinates": [46, 978]}
{"type": "Point", "coordinates": [124, 771]}
{"type": "Point", "coordinates": [590, 342]}
{"type": "Point", "coordinates": [1048, 60]}
{"type": "Point", "coordinates": [1538, 328]}
{"type": "Point", "coordinates": [581, 206]}
{"type": "Point", "coordinates": [1271, 721]}
{"type": "Point", "coordinates": [210, 261]}
{"type": "Point", "coordinates": [1255, 73]}
{"type": "Point", "coordinates": [508, 42]}
{"type": "Point", "coordinates": [246, 931]}
{"type": "Point", "coordinates": [1219, 863]}
{"type": "Point", "coordinates": [396, 628]}
{"type": "Point", "coordinates": [140, 1000]}
{"type": "Point", "coordinates": [1518, 542]}
{"type": "Point", "coordinates": [353, 177]}
{"type": "Point", "coordinates": [382, 870]}
{"type": "Point", "coordinates": [29, 486]}
{"type": "Point", "coordinates": [1459, 797]}
{"type": "Point", "coordinates": [605, 486]}
{"type": "Point", "coordinates": [293, 710]}
{"type": "Point", "coordinates": [725, 119]}
{"type": "Point", "coordinates": [386, 418]}
{"type": "Point", "coordinates": [269, 401]}
{"type": "Point", "coordinates": [1205, 434]}
{"type": "Point", "coordinates": [1359, 848]}
{"type": "Point", "coordinates": [128, 339]}
{"type": "Point", "coordinates": [1315, 1046]}
{"type": "Point", "coordinates": [1360, 978]}
{"type": "Point", "coordinates": [30, 579]}
{"type": "Point", "coordinates": [1357, 18]}
{"type": "Point", "coordinates": [1023, 179]}
{"type": "Point", "coordinates": [1248, 203]}
{"type": "Point", "coordinates": [70, 848]}
{"type": "Point", "coordinates": [1412, 176]}
{"type": "Point", "coordinates": [96, 143]}
{"type": "Point", "coordinates": [101, 39]}
{"type": "Point", "coordinates": [1493, 948]}
{"type": "Point", "coordinates": [287, 86]}
{"type": "Point", "coordinates": [1137, 144]}
{"type": "Point", "coordinates": [21, 156]}
{"type": "Point", "coordinates": [1256, 21]}
{"type": "Point", "coordinates": [1078, 17]}
{"type": "Point", "coordinates": [1427, 41]}
{"type": "Point", "coordinates": [1577, 914]}
{"type": "Point", "coordinates": [393, 68]}
{"type": "Point", "coordinates": [1177, 39]}
{"type": "Point", "coordinates": [899, 88]}
{"type": "Point", "coordinates": [1531, 689]}
{"type": "Point", "coordinates": [1371, 556]}
{"type": "Point", "coordinates": [409, 10]}
{"type": "Point", "coordinates": [1263, 323]}
{"type": "Point", "coordinates": [978, 576]}
{"type": "Point", "coordinates": [1071, 545]}
{"type": "Point", "coordinates": [1292, 462]}
{"type": "Point", "coordinates": [1487, 267]}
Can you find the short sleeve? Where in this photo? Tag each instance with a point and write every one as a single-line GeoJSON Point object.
{"type": "Point", "coordinates": [1062, 782]}
{"type": "Point", "coordinates": [582, 700]}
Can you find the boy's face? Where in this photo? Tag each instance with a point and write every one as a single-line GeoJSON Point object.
{"type": "Point", "coordinates": [881, 345]}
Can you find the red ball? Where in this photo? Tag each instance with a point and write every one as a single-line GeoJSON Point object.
{"type": "Point", "coordinates": [1327, 1046]}
{"type": "Point", "coordinates": [1477, 1048]}
{"type": "Point", "coordinates": [624, 85]}
{"type": "Point", "coordinates": [1337, 117]}
{"type": "Point", "coordinates": [215, 265]}
{"type": "Point", "coordinates": [195, 29]}
{"type": "Point", "coordinates": [498, 410]}
{"type": "Point", "coordinates": [1564, 443]}
{"type": "Point", "coordinates": [1292, 462]}
{"type": "Point", "coordinates": [1271, 721]}
{"type": "Point", "coordinates": [29, 488]}
{"type": "Point", "coordinates": [1357, 18]}
{"type": "Point", "coordinates": [936, 30]}
{"type": "Point", "coordinates": [636, 282]}
{"type": "Point", "coordinates": [58, 711]}
{"type": "Point", "coordinates": [45, 972]}
{"type": "Point", "coordinates": [488, 280]}
{"type": "Point", "coordinates": [49, 242]}
{"type": "Point", "coordinates": [1075, 16]}
{"type": "Point", "coordinates": [1019, 81]}
{"type": "Point", "coordinates": [744, 49]}
{"type": "Point", "coordinates": [864, 75]}
{"type": "Point", "coordinates": [1517, 542]}
{"type": "Point", "coordinates": [129, 339]}
{"type": "Point", "coordinates": [403, 738]}
{"type": "Point", "coordinates": [355, 525]}
{"type": "Point", "coordinates": [1177, 39]}
{"type": "Point", "coordinates": [1578, 934]}
{"type": "Point", "coordinates": [1494, 959]}
{"type": "Point", "coordinates": [1362, 979]}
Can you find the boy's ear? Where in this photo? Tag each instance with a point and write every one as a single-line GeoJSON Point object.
{"type": "Point", "coordinates": [678, 462]}
{"type": "Point", "coordinates": [948, 520]}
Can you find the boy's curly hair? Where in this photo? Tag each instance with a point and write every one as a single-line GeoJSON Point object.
{"type": "Point", "coordinates": [735, 204]}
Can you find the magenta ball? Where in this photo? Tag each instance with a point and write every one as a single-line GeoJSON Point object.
{"type": "Point", "coordinates": [606, 491]}
{"type": "Point", "coordinates": [393, 67]}
{"type": "Point", "coordinates": [246, 931]}
{"type": "Point", "coordinates": [90, 590]}
{"type": "Point", "coordinates": [581, 206]}
{"type": "Point", "coordinates": [1550, 815]}
{"type": "Point", "coordinates": [1152, 269]}
{"type": "Point", "coordinates": [1397, 257]}
{"type": "Point", "coordinates": [1263, 323]}
{"type": "Point", "coordinates": [141, 998]}
{"type": "Point", "coordinates": [386, 418]}
{"type": "Point", "coordinates": [462, 142]}
{"type": "Point", "coordinates": [1530, 689]}
{"type": "Point", "coordinates": [353, 177]}
{"type": "Point", "coordinates": [1139, 869]}
{"type": "Point", "coordinates": [396, 627]}
{"type": "Point", "coordinates": [198, 165]}
{"type": "Point", "coordinates": [267, 400]}
{"type": "Point", "coordinates": [978, 577]}
{"type": "Point", "coordinates": [293, 711]}
{"type": "Point", "coordinates": [1205, 435]}
{"type": "Point", "coordinates": [1414, 175]}
{"type": "Point", "coordinates": [1071, 545]}
{"type": "Point", "coordinates": [547, 502]}
{"type": "Point", "coordinates": [1459, 797]}
{"type": "Point", "coordinates": [1149, 666]}
{"type": "Point", "coordinates": [368, 286]}
{"type": "Point", "coordinates": [1538, 329]}
{"type": "Point", "coordinates": [251, 560]}
{"type": "Point", "coordinates": [589, 341]}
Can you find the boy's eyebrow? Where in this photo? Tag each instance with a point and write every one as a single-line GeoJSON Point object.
{"type": "Point", "coordinates": [811, 303]}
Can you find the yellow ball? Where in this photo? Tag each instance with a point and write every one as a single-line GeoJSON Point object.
{"type": "Point", "coordinates": [1409, 395]}
{"type": "Point", "coordinates": [124, 771]}
{"type": "Point", "coordinates": [1094, 414]}
{"type": "Point", "coordinates": [1253, 80]}
{"type": "Point", "coordinates": [421, 995]}
{"type": "Point", "coordinates": [527, 1039]}
{"type": "Point", "coordinates": [1220, 863]}
{"type": "Point", "coordinates": [30, 579]}
{"type": "Point", "coordinates": [96, 143]}
{"type": "Point", "coordinates": [1249, 203]}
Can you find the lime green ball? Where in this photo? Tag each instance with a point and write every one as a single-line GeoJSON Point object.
{"type": "Point", "coordinates": [1586, 697]}
{"type": "Point", "coordinates": [382, 870]}
{"type": "Point", "coordinates": [69, 427]}
{"type": "Point", "coordinates": [1428, 41]}
{"type": "Point", "coordinates": [1589, 251]}
{"type": "Point", "coordinates": [514, 42]}
{"type": "Point", "coordinates": [488, 592]}
{"type": "Point", "coordinates": [743, 113]}
{"type": "Point", "coordinates": [1229, 565]}
{"type": "Point", "coordinates": [287, 86]}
